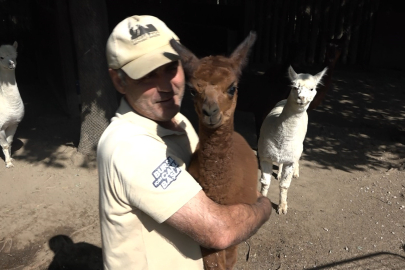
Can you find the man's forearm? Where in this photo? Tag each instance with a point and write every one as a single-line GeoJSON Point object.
{"type": "Point", "coordinates": [219, 226]}
{"type": "Point", "coordinates": [246, 219]}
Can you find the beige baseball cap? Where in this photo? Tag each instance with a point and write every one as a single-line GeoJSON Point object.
{"type": "Point", "coordinates": [140, 44]}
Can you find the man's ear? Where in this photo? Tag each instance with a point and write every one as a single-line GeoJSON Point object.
{"type": "Point", "coordinates": [118, 83]}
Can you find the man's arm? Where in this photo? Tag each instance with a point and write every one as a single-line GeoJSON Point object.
{"type": "Point", "coordinates": [219, 226]}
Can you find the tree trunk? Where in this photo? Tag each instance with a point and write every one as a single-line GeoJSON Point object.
{"type": "Point", "coordinates": [67, 59]}
{"type": "Point", "coordinates": [90, 33]}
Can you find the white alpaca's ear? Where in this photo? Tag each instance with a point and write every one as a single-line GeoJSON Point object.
{"type": "Point", "coordinates": [319, 76]}
{"type": "Point", "coordinates": [292, 74]}
{"type": "Point", "coordinates": [15, 45]}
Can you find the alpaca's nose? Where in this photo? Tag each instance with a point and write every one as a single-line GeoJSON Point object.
{"type": "Point", "coordinates": [11, 64]}
{"type": "Point", "coordinates": [301, 100]}
{"type": "Point", "coordinates": [209, 110]}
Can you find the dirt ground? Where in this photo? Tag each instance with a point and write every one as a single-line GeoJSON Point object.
{"type": "Point", "coordinates": [346, 211]}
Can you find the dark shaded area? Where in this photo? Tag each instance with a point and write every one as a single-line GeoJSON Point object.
{"type": "Point", "coordinates": [362, 118]}
{"type": "Point", "coordinates": [206, 27]}
{"type": "Point", "coordinates": [74, 256]}
{"type": "Point", "coordinates": [379, 260]}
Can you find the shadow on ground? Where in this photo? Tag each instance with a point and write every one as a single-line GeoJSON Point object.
{"type": "Point", "coordinates": [380, 260]}
{"type": "Point", "coordinates": [74, 256]}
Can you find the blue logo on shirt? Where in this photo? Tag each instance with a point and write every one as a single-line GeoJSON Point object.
{"type": "Point", "coordinates": [166, 173]}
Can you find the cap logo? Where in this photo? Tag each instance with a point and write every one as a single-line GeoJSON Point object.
{"type": "Point", "coordinates": [140, 33]}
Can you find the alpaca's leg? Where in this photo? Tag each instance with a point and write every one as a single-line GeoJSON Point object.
{"type": "Point", "coordinates": [231, 257]}
{"type": "Point", "coordinates": [10, 131]}
{"type": "Point", "coordinates": [296, 169]}
{"type": "Point", "coordinates": [213, 259]}
{"type": "Point", "coordinates": [285, 182]}
{"type": "Point", "coordinates": [5, 147]}
{"type": "Point", "coordinates": [280, 169]}
{"type": "Point", "coordinates": [9, 135]}
{"type": "Point", "coordinates": [266, 166]}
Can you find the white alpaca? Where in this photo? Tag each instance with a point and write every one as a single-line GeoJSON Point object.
{"type": "Point", "coordinates": [11, 105]}
{"type": "Point", "coordinates": [283, 132]}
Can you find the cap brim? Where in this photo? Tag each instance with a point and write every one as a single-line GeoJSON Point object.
{"type": "Point", "coordinates": [150, 61]}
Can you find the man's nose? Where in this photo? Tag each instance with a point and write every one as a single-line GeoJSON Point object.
{"type": "Point", "coordinates": [164, 84]}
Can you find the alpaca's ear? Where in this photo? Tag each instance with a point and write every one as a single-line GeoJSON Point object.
{"type": "Point", "coordinates": [318, 77]}
{"type": "Point", "coordinates": [15, 45]}
{"type": "Point", "coordinates": [292, 74]}
{"type": "Point", "coordinates": [241, 53]}
{"type": "Point", "coordinates": [188, 59]}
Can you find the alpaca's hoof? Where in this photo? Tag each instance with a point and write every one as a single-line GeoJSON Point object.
{"type": "Point", "coordinates": [296, 175]}
{"type": "Point", "coordinates": [282, 209]}
{"type": "Point", "coordinates": [9, 165]}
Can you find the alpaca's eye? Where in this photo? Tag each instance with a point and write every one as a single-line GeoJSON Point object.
{"type": "Point", "coordinates": [1, 58]}
{"type": "Point", "coordinates": [231, 90]}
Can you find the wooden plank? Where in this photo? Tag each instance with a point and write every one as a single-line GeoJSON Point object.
{"type": "Point", "coordinates": [351, 8]}
{"type": "Point", "coordinates": [290, 31]}
{"type": "Point", "coordinates": [268, 31]}
{"type": "Point", "coordinates": [276, 5]}
{"type": "Point", "coordinates": [314, 33]}
{"type": "Point", "coordinates": [324, 26]}
{"type": "Point", "coordinates": [283, 30]}
{"type": "Point", "coordinates": [356, 33]}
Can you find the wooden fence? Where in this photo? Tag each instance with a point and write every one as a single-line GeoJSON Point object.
{"type": "Point", "coordinates": [300, 29]}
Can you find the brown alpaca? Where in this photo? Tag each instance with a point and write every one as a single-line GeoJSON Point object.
{"type": "Point", "coordinates": [223, 164]}
{"type": "Point", "coordinates": [332, 55]}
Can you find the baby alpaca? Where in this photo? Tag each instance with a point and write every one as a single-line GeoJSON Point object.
{"type": "Point", "coordinates": [283, 132]}
{"type": "Point", "coordinates": [11, 105]}
{"type": "Point", "coordinates": [223, 163]}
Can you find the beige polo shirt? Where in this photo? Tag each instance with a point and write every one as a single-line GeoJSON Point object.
{"type": "Point", "coordinates": [143, 181]}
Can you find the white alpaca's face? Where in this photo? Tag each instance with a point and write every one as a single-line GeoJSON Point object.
{"type": "Point", "coordinates": [8, 56]}
{"type": "Point", "coordinates": [304, 86]}
{"type": "Point", "coordinates": [304, 89]}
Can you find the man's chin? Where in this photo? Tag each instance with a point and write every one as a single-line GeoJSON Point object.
{"type": "Point", "coordinates": [168, 114]}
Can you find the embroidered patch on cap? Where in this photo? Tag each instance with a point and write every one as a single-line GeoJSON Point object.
{"type": "Point", "coordinates": [140, 33]}
{"type": "Point", "coordinates": [166, 173]}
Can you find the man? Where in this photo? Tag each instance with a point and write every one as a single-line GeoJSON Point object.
{"type": "Point", "coordinates": [153, 214]}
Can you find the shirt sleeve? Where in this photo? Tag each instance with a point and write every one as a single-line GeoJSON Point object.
{"type": "Point", "coordinates": [151, 178]}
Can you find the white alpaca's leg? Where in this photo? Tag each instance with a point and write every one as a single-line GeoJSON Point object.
{"type": "Point", "coordinates": [280, 169]}
{"type": "Point", "coordinates": [266, 166]}
{"type": "Point", "coordinates": [285, 182]}
{"type": "Point", "coordinates": [296, 170]}
{"type": "Point", "coordinates": [7, 138]}
{"type": "Point", "coordinates": [5, 147]}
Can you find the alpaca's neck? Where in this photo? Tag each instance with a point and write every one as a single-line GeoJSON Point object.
{"type": "Point", "coordinates": [292, 112]}
{"type": "Point", "coordinates": [215, 155]}
{"type": "Point", "coordinates": [216, 143]}
{"type": "Point", "coordinates": [7, 76]}
{"type": "Point", "coordinates": [8, 86]}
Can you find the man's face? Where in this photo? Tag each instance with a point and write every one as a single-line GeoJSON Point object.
{"type": "Point", "coordinates": [158, 95]}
